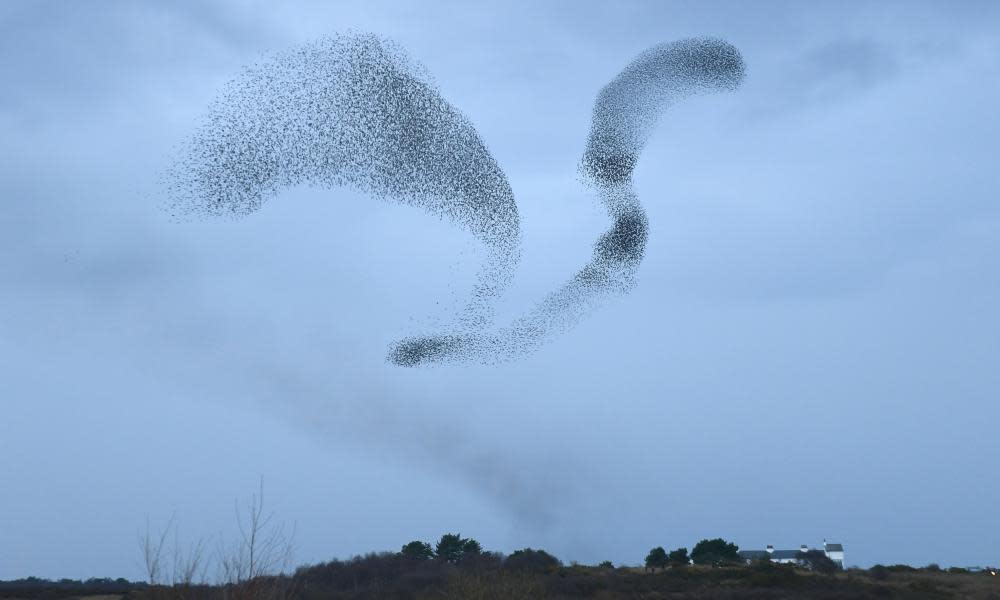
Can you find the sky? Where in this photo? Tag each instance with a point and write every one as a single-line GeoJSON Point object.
{"type": "Point", "coordinates": [811, 351]}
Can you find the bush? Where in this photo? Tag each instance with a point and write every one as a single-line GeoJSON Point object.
{"type": "Point", "coordinates": [528, 559]}
{"type": "Point", "coordinates": [765, 573]}
{"type": "Point", "coordinates": [901, 569]}
{"type": "Point", "coordinates": [494, 586]}
{"type": "Point", "coordinates": [817, 560]}
{"type": "Point", "coordinates": [926, 586]}
{"type": "Point", "coordinates": [481, 562]}
{"type": "Point", "coordinates": [387, 574]}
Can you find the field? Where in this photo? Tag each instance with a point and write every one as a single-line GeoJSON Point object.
{"type": "Point", "coordinates": [387, 576]}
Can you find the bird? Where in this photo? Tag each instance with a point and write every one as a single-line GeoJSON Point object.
{"type": "Point", "coordinates": [353, 109]}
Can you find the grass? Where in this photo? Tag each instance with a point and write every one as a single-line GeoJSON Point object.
{"type": "Point", "coordinates": [388, 576]}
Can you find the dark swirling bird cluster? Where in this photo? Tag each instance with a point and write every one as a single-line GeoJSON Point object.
{"type": "Point", "coordinates": [350, 110]}
{"type": "Point", "coordinates": [353, 110]}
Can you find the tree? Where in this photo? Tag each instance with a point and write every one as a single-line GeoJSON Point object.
{"type": "Point", "coordinates": [471, 547]}
{"type": "Point", "coordinates": [679, 557]}
{"type": "Point", "coordinates": [817, 560]}
{"type": "Point", "coordinates": [189, 565]}
{"type": "Point", "coordinates": [715, 552]}
{"type": "Point", "coordinates": [481, 562]}
{"type": "Point", "coordinates": [417, 550]}
{"type": "Point", "coordinates": [152, 547]}
{"type": "Point", "coordinates": [264, 547]}
{"type": "Point", "coordinates": [251, 567]}
{"type": "Point", "coordinates": [452, 547]}
{"type": "Point", "coordinates": [528, 559]}
{"type": "Point", "coordinates": [606, 565]}
{"type": "Point", "coordinates": [657, 558]}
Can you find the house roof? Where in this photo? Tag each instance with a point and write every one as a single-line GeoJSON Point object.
{"type": "Point", "coordinates": [784, 554]}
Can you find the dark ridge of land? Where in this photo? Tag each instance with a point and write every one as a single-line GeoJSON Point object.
{"type": "Point", "coordinates": [391, 576]}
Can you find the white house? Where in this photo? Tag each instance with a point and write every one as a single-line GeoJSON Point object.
{"type": "Point", "coordinates": [834, 552]}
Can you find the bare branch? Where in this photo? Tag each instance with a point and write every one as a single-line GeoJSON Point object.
{"type": "Point", "coordinates": [264, 548]}
{"type": "Point", "coordinates": [151, 548]}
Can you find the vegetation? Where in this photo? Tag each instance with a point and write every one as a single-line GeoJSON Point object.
{"type": "Point", "coordinates": [417, 550]}
{"type": "Point", "coordinates": [679, 557]}
{"type": "Point", "coordinates": [254, 567]}
{"type": "Point", "coordinates": [452, 547]}
{"type": "Point", "coordinates": [817, 560]}
{"type": "Point", "coordinates": [656, 559]}
{"type": "Point", "coordinates": [531, 560]}
{"type": "Point", "coordinates": [536, 574]}
{"type": "Point", "coordinates": [715, 553]}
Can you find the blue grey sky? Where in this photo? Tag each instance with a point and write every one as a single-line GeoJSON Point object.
{"type": "Point", "coordinates": [811, 352]}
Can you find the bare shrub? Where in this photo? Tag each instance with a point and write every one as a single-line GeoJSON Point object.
{"type": "Point", "coordinates": [253, 567]}
{"type": "Point", "coordinates": [151, 548]}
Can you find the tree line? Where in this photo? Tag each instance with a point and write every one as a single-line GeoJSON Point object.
{"type": "Point", "coordinates": [714, 552]}
{"type": "Point", "coordinates": [718, 552]}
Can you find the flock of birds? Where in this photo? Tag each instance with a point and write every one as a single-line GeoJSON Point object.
{"type": "Point", "coordinates": [354, 110]}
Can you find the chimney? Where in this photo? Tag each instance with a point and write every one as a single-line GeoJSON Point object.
{"type": "Point", "coordinates": [803, 548]}
{"type": "Point", "coordinates": [770, 548]}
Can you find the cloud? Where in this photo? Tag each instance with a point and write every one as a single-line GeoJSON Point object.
{"type": "Point", "coordinates": [817, 77]}
{"type": "Point", "coordinates": [845, 65]}
{"type": "Point", "coordinates": [531, 484]}
{"type": "Point", "coordinates": [69, 59]}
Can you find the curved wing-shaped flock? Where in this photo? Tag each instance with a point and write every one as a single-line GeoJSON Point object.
{"type": "Point", "coordinates": [353, 110]}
